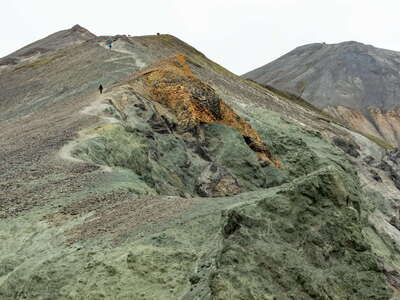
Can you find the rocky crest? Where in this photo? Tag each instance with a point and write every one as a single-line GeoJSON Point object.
{"type": "Point", "coordinates": [166, 187]}
{"type": "Point", "coordinates": [165, 106]}
{"type": "Point", "coordinates": [61, 39]}
{"type": "Point", "coordinates": [173, 84]}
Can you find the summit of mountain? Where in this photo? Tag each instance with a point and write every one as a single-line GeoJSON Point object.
{"type": "Point", "coordinates": [358, 83]}
{"type": "Point", "coordinates": [59, 40]}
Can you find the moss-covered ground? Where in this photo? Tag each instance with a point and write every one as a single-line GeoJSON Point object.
{"type": "Point", "coordinates": [299, 240]}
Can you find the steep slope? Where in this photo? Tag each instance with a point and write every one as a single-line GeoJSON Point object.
{"type": "Point", "coordinates": [357, 83]}
{"type": "Point", "coordinates": [183, 181]}
{"type": "Point", "coordinates": [75, 35]}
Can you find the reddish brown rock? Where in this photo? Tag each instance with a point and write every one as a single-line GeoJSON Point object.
{"type": "Point", "coordinates": [172, 84]}
{"type": "Point", "coordinates": [375, 121]}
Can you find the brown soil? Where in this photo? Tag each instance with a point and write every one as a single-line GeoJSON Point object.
{"type": "Point", "coordinates": [117, 214]}
{"type": "Point", "coordinates": [31, 174]}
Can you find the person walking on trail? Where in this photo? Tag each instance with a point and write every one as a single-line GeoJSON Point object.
{"type": "Point", "coordinates": [101, 89]}
{"type": "Point", "coordinates": [109, 44]}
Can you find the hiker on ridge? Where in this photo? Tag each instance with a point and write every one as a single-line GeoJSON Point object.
{"type": "Point", "coordinates": [101, 89]}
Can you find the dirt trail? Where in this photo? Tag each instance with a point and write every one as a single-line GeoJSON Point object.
{"type": "Point", "coordinates": [98, 105]}
{"type": "Point", "coordinates": [96, 109]}
{"type": "Point", "coordinates": [121, 47]}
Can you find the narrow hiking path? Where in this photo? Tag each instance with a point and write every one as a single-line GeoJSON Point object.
{"type": "Point", "coordinates": [121, 58]}
{"type": "Point", "coordinates": [131, 62]}
{"type": "Point", "coordinates": [122, 47]}
{"type": "Point", "coordinates": [95, 109]}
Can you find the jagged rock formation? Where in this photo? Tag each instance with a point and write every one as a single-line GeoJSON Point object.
{"type": "Point", "coordinates": [166, 104]}
{"type": "Point", "coordinates": [173, 84]}
{"type": "Point", "coordinates": [158, 188]}
{"type": "Point", "coordinates": [359, 84]}
{"type": "Point", "coordinates": [295, 224]}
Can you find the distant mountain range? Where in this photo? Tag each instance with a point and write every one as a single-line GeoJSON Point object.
{"type": "Point", "coordinates": [357, 83]}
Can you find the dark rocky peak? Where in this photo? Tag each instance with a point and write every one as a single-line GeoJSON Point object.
{"type": "Point", "coordinates": [78, 27]}
{"type": "Point", "coordinates": [78, 32]}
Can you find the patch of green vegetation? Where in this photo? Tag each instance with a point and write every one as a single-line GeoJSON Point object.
{"type": "Point", "coordinates": [303, 240]}
{"type": "Point", "coordinates": [159, 164]}
{"type": "Point", "coordinates": [242, 161]}
{"type": "Point", "coordinates": [299, 240]}
{"type": "Point", "coordinates": [170, 166]}
{"type": "Point", "coordinates": [300, 149]}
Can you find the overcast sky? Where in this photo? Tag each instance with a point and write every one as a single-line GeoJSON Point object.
{"type": "Point", "coordinates": [239, 34]}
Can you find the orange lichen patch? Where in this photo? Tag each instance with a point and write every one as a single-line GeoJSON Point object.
{"type": "Point", "coordinates": [172, 84]}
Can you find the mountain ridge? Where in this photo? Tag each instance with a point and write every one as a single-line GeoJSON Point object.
{"type": "Point", "coordinates": [352, 75]}
{"type": "Point", "coordinates": [159, 188]}
{"type": "Point", "coordinates": [76, 34]}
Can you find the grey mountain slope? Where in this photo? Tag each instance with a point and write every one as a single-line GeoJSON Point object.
{"type": "Point", "coordinates": [349, 73]}
{"type": "Point", "coordinates": [89, 185]}
{"type": "Point", "coordinates": [61, 39]}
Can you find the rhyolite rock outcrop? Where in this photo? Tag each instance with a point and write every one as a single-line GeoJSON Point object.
{"type": "Point", "coordinates": [166, 120]}
{"type": "Point", "coordinates": [173, 84]}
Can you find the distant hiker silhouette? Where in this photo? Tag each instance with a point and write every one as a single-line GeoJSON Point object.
{"type": "Point", "coordinates": [109, 44]}
{"type": "Point", "coordinates": [101, 89]}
